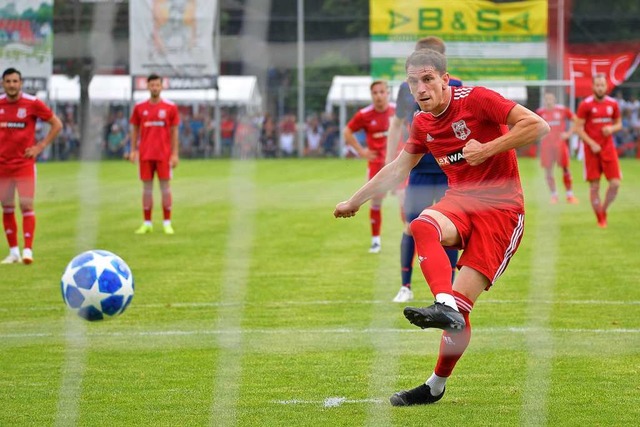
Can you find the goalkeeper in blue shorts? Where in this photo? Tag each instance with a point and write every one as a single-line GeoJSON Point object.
{"type": "Point", "coordinates": [427, 183]}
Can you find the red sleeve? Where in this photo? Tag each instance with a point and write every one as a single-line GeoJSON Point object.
{"type": "Point", "coordinates": [135, 118]}
{"type": "Point", "coordinates": [616, 111]}
{"type": "Point", "coordinates": [42, 111]}
{"type": "Point", "coordinates": [568, 113]}
{"type": "Point", "coordinates": [416, 143]}
{"type": "Point", "coordinates": [539, 111]}
{"type": "Point", "coordinates": [583, 110]}
{"type": "Point", "coordinates": [487, 103]}
{"type": "Point", "coordinates": [175, 121]}
{"type": "Point", "coordinates": [356, 123]}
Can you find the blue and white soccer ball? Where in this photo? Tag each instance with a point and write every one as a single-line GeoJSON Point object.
{"type": "Point", "coordinates": [97, 285]}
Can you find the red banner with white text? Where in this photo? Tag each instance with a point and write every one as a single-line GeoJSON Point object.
{"type": "Point", "coordinates": [617, 67]}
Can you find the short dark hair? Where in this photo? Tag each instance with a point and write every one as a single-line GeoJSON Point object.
{"type": "Point", "coordinates": [153, 76]}
{"type": "Point", "coordinates": [427, 57]}
{"type": "Point", "coordinates": [431, 42]}
{"type": "Point", "coordinates": [599, 76]}
{"type": "Point", "coordinates": [378, 82]}
{"type": "Point", "coordinates": [11, 71]}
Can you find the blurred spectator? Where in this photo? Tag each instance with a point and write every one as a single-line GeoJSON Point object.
{"type": "Point", "coordinates": [246, 141]}
{"type": "Point", "coordinates": [227, 132]}
{"type": "Point", "coordinates": [268, 137]}
{"type": "Point", "coordinates": [313, 133]}
{"type": "Point", "coordinates": [187, 140]}
{"type": "Point", "coordinates": [331, 135]}
{"type": "Point", "coordinates": [287, 135]}
{"type": "Point", "coordinates": [116, 141]}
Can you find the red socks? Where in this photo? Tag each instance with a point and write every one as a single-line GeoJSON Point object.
{"type": "Point", "coordinates": [147, 204]}
{"type": "Point", "coordinates": [10, 225]}
{"type": "Point", "coordinates": [453, 346]}
{"type": "Point", "coordinates": [167, 200]}
{"type": "Point", "coordinates": [432, 257]}
{"type": "Point", "coordinates": [375, 215]}
{"type": "Point", "coordinates": [28, 228]}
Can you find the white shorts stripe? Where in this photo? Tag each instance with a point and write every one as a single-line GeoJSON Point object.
{"type": "Point", "coordinates": [515, 238]}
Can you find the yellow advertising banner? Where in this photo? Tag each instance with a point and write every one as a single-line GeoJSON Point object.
{"type": "Point", "coordinates": [460, 19]}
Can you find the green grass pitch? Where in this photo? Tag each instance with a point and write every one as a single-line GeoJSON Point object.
{"type": "Point", "coordinates": [264, 310]}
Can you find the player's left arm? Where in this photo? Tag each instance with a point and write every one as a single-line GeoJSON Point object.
{"type": "Point", "coordinates": [54, 129]}
{"type": "Point", "coordinates": [175, 144]}
{"type": "Point", "coordinates": [615, 127]}
{"type": "Point", "coordinates": [525, 127]}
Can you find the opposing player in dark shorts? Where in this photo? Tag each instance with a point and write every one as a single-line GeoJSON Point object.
{"type": "Point", "coordinates": [427, 183]}
{"type": "Point", "coordinates": [482, 212]}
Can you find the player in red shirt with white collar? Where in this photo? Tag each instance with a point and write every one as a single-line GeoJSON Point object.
{"type": "Point", "coordinates": [154, 144]}
{"type": "Point", "coordinates": [482, 212]}
{"type": "Point", "coordinates": [374, 120]}
{"type": "Point", "coordinates": [554, 148]}
{"type": "Point", "coordinates": [18, 151]}
{"type": "Point", "coordinates": [598, 118]}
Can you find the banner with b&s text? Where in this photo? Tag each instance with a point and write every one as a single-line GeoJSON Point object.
{"type": "Point", "coordinates": [174, 39]}
{"type": "Point", "coordinates": [485, 40]}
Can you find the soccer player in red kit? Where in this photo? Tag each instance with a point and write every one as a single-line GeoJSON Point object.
{"type": "Point", "coordinates": [481, 213]}
{"type": "Point", "coordinates": [154, 144]}
{"type": "Point", "coordinates": [374, 120]}
{"type": "Point", "coordinates": [554, 148]}
{"type": "Point", "coordinates": [18, 152]}
{"type": "Point", "coordinates": [598, 118]}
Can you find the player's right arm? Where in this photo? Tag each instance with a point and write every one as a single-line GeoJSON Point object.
{"type": "Point", "coordinates": [133, 154]}
{"type": "Point", "coordinates": [388, 178]}
{"type": "Point", "coordinates": [584, 136]}
{"type": "Point", "coordinates": [351, 141]}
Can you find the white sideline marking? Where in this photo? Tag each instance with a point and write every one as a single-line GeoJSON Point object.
{"type": "Point", "coordinates": [333, 331]}
{"type": "Point", "coordinates": [70, 391]}
{"type": "Point", "coordinates": [228, 366]}
{"type": "Point", "coordinates": [276, 304]}
{"type": "Point", "coordinates": [329, 402]}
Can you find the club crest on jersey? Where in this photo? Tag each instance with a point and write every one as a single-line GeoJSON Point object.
{"type": "Point", "coordinates": [22, 113]}
{"type": "Point", "coordinates": [461, 130]}
{"type": "Point", "coordinates": [162, 114]}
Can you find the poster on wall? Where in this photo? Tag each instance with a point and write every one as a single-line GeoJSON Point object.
{"type": "Point", "coordinates": [26, 40]}
{"type": "Point", "coordinates": [485, 40]}
{"type": "Point", "coordinates": [174, 39]}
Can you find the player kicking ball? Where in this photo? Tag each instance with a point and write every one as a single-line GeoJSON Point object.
{"type": "Point", "coordinates": [482, 213]}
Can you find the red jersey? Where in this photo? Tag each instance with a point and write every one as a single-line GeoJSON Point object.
{"type": "Point", "coordinates": [154, 123]}
{"type": "Point", "coordinates": [18, 128]}
{"type": "Point", "coordinates": [598, 114]}
{"type": "Point", "coordinates": [376, 126]}
{"type": "Point", "coordinates": [556, 118]}
{"type": "Point", "coordinates": [473, 113]}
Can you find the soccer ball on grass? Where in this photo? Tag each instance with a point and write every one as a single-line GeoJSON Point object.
{"type": "Point", "coordinates": [97, 285]}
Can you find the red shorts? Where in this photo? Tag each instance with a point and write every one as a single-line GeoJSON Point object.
{"type": "Point", "coordinates": [554, 152]}
{"type": "Point", "coordinates": [605, 162]}
{"type": "Point", "coordinates": [490, 236]}
{"type": "Point", "coordinates": [372, 170]}
{"type": "Point", "coordinates": [160, 167]}
{"type": "Point", "coordinates": [23, 180]}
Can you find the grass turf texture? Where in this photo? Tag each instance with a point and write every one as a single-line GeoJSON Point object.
{"type": "Point", "coordinates": [263, 309]}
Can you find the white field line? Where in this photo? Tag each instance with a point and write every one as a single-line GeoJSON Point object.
{"type": "Point", "coordinates": [519, 330]}
{"type": "Point", "coordinates": [277, 304]}
{"type": "Point", "coordinates": [539, 343]}
{"type": "Point", "coordinates": [228, 368]}
{"type": "Point", "coordinates": [385, 366]}
{"type": "Point", "coordinates": [75, 329]}
{"type": "Point", "coordinates": [330, 402]}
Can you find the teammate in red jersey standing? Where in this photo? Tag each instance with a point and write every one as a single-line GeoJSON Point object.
{"type": "Point", "coordinates": [482, 212]}
{"type": "Point", "coordinates": [554, 148]}
{"type": "Point", "coordinates": [18, 151]}
{"type": "Point", "coordinates": [374, 120]}
{"type": "Point", "coordinates": [598, 118]}
{"type": "Point", "coordinates": [154, 144]}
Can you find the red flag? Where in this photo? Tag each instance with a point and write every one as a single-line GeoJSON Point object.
{"type": "Point", "coordinates": [617, 67]}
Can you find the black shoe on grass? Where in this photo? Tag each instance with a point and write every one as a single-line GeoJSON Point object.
{"type": "Point", "coordinates": [420, 395]}
{"type": "Point", "coordinates": [438, 315]}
